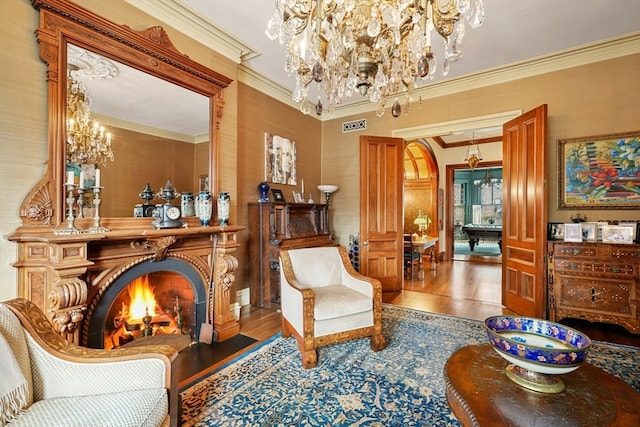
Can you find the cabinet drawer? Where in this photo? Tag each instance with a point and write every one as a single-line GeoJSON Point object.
{"type": "Point", "coordinates": [627, 254]}
{"type": "Point", "coordinates": [596, 294]}
{"type": "Point", "coordinates": [576, 266]}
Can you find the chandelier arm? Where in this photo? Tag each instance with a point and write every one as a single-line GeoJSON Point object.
{"type": "Point", "coordinates": [444, 22]}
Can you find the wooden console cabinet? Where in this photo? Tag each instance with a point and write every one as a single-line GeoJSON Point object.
{"type": "Point", "coordinates": [598, 282]}
{"type": "Point", "coordinates": [275, 226]}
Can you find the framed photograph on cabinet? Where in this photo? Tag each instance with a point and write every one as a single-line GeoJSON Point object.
{"type": "Point", "coordinates": [573, 232]}
{"type": "Point", "coordinates": [555, 231]}
{"type": "Point", "coordinates": [599, 226]}
{"type": "Point", "coordinates": [634, 226]}
{"type": "Point", "coordinates": [617, 234]}
{"type": "Point", "coordinates": [278, 197]}
{"type": "Point", "coordinates": [599, 172]}
{"type": "Point", "coordinates": [589, 231]}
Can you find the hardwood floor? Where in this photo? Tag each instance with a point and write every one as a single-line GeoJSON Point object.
{"type": "Point", "coordinates": [469, 289]}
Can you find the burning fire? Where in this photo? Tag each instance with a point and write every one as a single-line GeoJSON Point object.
{"type": "Point", "coordinates": [129, 322]}
{"type": "Point", "coordinates": [142, 299]}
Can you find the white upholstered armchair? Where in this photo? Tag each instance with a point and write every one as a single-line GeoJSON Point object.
{"type": "Point", "coordinates": [325, 301]}
{"type": "Point", "coordinates": [50, 382]}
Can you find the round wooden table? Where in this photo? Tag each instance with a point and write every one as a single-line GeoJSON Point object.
{"type": "Point", "coordinates": [480, 394]}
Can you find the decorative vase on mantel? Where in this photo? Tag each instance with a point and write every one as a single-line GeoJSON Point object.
{"type": "Point", "coordinates": [204, 202]}
{"type": "Point", "coordinates": [224, 207]}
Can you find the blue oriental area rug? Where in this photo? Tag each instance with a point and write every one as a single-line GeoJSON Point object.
{"type": "Point", "coordinates": [354, 386]}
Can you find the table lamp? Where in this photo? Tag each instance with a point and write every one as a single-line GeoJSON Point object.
{"type": "Point", "coordinates": [422, 221]}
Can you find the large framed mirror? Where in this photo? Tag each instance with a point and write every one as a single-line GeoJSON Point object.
{"type": "Point", "coordinates": [161, 109]}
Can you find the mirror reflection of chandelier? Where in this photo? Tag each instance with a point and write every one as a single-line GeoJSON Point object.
{"type": "Point", "coordinates": [487, 180]}
{"type": "Point", "coordinates": [376, 47]}
{"type": "Point", "coordinates": [87, 142]}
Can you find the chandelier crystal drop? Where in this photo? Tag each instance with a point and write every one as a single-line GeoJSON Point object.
{"type": "Point", "coordinates": [87, 141]}
{"type": "Point", "coordinates": [378, 48]}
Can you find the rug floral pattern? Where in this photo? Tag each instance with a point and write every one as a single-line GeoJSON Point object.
{"type": "Point", "coordinates": [352, 385]}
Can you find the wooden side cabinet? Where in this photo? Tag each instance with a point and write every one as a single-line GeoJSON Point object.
{"type": "Point", "coordinates": [598, 282]}
{"type": "Point", "coordinates": [275, 226]}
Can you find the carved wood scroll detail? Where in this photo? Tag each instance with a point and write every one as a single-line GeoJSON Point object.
{"type": "Point", "coordinates": [67, 304]}
{"type": "Point", "coordinates": [37, 207]}
{"type": "Point", "coordinates": [159, 246]}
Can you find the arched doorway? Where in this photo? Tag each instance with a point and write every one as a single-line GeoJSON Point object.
{"type": "Point", "coordinates": [421, 216]}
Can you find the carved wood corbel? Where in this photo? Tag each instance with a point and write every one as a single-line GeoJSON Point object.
{"type": "Point", "coordinates": [67, 304]}
{"type": "Point", "coordinates": [224, 323]}
{"type": "Point", "coordinates": [159, 246]}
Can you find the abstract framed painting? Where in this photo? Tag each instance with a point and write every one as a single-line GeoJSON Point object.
{"type": "Point", "coordinates": [280, 160]}
{"type": "Point", "coordinates": [599, 172]}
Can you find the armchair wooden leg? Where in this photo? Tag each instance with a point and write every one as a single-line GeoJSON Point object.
{"type": "Point", "coordinates": [377, 342]}
{"type": "Point", "coordinates": [285, 329]}
{"type": "Point", "coordinates": [309, 359]}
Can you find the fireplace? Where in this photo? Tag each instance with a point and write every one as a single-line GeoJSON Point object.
{"type": "Point", "coordinates": [156, 289]}
{"type": "Point", "coordinates": [76, 279]}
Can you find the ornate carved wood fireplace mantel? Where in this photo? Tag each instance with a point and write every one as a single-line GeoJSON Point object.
{"type": "Point", "coordinates": [69, 275]}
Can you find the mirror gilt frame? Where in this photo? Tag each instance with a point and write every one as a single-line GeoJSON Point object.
{"type": "Point", "coordinates": [150, 51]}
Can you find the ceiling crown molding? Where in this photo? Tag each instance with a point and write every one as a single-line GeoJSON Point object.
{"type": "Point", "coordinates": [628, 44]}
{"type": "Point", "coordinates": [186, 20]}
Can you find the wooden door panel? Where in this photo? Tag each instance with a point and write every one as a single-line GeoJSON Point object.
{"type": "Point", "coordinates": [381, 176]}
{"type": "Point", "coordinates": [525, 215]}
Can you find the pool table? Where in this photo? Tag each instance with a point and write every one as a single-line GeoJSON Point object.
{"type": "Point", "coordinates": [476, 231]}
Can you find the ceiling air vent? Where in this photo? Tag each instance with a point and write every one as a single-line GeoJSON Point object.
{"type": "Point", "coordinates": [354, 125]}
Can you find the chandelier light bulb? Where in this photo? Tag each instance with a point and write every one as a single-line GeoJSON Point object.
{"type": "Point", "coordinates": [381, 48]}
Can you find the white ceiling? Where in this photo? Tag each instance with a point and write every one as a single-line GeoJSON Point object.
{"type": "Point", "coordinates": [513, 31]}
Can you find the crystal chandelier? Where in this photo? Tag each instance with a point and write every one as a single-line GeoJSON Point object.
{"type": "Point", "coordinates": [487, 180]}
{"type": "Point", "coordinates": [376, 47]}
{"type": "Point", "coordinates": [87, 142]}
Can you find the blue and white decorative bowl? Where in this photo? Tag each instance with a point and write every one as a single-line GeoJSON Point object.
{"type": "Point", "coordinates": [539, 348]}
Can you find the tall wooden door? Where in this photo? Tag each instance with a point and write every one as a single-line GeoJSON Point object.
{"type": "Point", "coordinates": [381, 225]}
{"type": "Point", "coordinates": [524, 214]}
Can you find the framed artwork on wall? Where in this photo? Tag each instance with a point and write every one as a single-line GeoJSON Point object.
{"type": "Point", "coordinates": [203, 182]}
{"type": "Point", "coordinates": [599, 172]}
{"type": "Point", "coordinates": [280, 160]}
